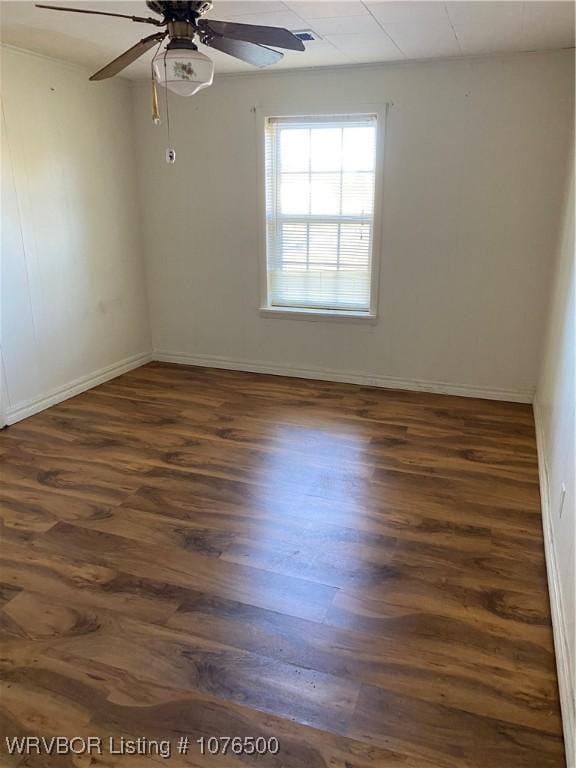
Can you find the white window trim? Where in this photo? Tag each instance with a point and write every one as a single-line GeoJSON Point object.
{"type": "Point", "coordinates": [268, 311]}
{"type": "Point", "coordinates": [338, 315]}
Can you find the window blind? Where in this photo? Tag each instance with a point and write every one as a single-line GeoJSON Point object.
{"type": "Point", "coordinates": [320, 176]}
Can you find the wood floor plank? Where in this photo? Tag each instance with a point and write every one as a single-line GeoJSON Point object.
{"type": "Point", "coordinates": [120, 704]}
{"type": "Point", "coordinates": [358, 572]}
{"type": "Point", "coordinates": [29, 563]}
{"type": "Point", "coordinates": [188, 569]}
{"type": "Point", "coordinates": [435, 733]}
{"type": "Point", "coordinates": [186, 662]}
{"type": "Point", "coordinates": [399, 659]}
{"type": "Point", "coordinates": [517, 616]}
{"type": "Point", "coordinates": [221, 504]}
{"type": "Point", "coordinates": [36, 472]}
{"type": "Point", "coordinates": [368, 568]}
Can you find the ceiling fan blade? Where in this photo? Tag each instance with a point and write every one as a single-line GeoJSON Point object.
{"type": "Point", "coordinates": [128, 56]}
{"type": "Point", "coordinates": [144, 20]}
{"type": "Point", "coordinates": [248, 52]}
{"type": "Point", "coordinates": [252, 33]}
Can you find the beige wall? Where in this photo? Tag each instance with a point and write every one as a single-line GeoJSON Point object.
{"type": "Point", "coordinates": [556, 422]}
{"type": "Point", "coordinates": [475, 157]}
{"type": "Point", "coordinates": [73, 292]}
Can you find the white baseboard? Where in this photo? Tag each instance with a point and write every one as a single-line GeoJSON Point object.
{"type": "Point", "coordinates": [23, 410]}
{"type": "Point", "coordinates": [348, 377]}
{"type": "Point", "coordinates": [564, 664]}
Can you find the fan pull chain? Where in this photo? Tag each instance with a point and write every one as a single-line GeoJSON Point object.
{"type": "Point", "coordinates": [170, 151]}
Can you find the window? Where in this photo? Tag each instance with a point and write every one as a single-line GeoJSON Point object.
{"type": "Point", "coordinates": [320, 183]}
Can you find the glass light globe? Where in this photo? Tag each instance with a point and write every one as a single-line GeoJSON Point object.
{"type": "Point", "coordinates": [183, 70]}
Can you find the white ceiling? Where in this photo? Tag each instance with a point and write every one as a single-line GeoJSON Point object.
{"type": "Point", "coordinates": [349, 31]}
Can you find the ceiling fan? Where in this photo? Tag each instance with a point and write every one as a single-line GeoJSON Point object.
{"type": "Point", "coordinates": [180, 66]}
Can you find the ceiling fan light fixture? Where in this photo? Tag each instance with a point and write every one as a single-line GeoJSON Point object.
{"type": "Point", "coordinates": [184, 71]}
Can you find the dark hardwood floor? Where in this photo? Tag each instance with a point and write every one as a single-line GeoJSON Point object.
{"type": "Point", "coordinates": [357, 572]}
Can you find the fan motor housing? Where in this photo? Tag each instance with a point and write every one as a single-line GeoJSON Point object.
{"type": "Point", "coordinates": [181, 30]}
{"type": "Point", "coordinates": [175, 11]}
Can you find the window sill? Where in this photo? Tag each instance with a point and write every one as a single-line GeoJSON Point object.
{"type": "Point", "coordinates": [318, 315]}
